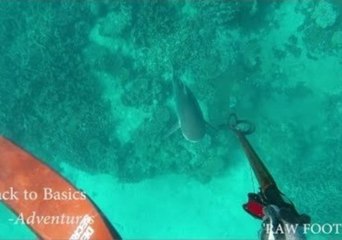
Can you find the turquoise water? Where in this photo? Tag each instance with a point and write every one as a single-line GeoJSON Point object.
{"type": "Point", "coordinates": [87, 87]}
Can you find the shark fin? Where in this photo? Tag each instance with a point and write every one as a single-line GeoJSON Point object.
{"type": "Point", "coordinates": [172, 130]}
{"type": "Point", "coordinates": [211, 130]}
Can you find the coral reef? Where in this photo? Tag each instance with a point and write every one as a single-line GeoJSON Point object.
{"type": "Point", "coordinates": [50, 103]}
{"type": "Point", "coordinates": [324, 14]}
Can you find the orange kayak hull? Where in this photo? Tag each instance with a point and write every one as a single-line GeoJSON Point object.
{"type": "Point", "coordinates": [46, 201]}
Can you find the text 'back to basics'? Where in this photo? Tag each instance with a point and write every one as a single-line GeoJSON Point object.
{"type": "Point", "coordinates": [46, 194]}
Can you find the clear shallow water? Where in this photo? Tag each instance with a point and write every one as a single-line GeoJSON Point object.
{"type": "Point", "coordinates": [87, 88]}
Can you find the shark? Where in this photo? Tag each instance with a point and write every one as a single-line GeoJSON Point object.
{"type": "Point", "coordinates": [190, 117]}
